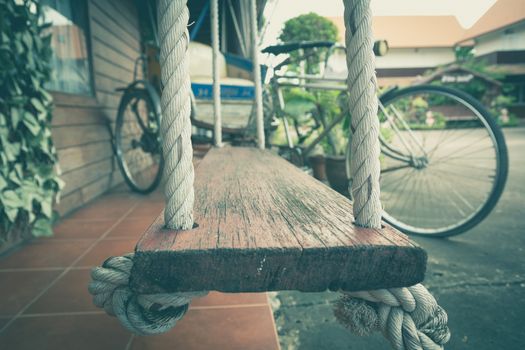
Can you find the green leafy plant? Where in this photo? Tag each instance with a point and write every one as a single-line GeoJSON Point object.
{"type": "Point", "coordinates": [309, 27]}
{"type": "Point", "coordinates": [28, 175]}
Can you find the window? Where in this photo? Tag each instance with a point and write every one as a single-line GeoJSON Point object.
{"type": "Point", "coordinates": [71, 59]}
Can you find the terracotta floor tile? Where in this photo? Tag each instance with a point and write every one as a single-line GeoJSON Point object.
{"type": "Point", "coordinates": [88, 332]}
{"type": "Point", "coordinates": [45, 253]}
{"type": "Point", "coordinates": [246, 328]}
{"type": "Point", "coordinates": [147, 210]}
{"type": "Point", "coordinates": [130, 228]}
{"type": "Point", "coordinates": [75, 229]}
{"type": "Point", "coordinates": [219, 299]}
{"type": "Point", "coordinates": [18, 288]}
{"type": "Point", "coordinates": [69, 294]}
{"type": "Point", "coordinates": [106, 248]}
{"type": "Point", "coordinates": [107, 207]}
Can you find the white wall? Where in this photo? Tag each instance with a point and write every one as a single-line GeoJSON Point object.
{"type": "Point", "coordinates": [512, 39]}
{"type": "Point", "coordinates": [415, 58]}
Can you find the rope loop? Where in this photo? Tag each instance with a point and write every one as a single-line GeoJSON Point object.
{"type": "Point", "coordinates": [409, 318]}
{"type": "Point", "coordinates": [142, 314]}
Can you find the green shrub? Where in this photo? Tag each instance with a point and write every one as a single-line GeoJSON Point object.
{"type": "Point", "coordinates": [28, 181]}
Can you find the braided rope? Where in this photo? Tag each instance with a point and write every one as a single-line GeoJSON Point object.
{"type": "Point", "coordinates": [409, 318]}
{"type": "Point", "coordinates": [363, 106]}
{"type": "Point", "coordinates": [140, 313]}
{"type": "Point", "coordinates": [214, 17]}
{"type": "Point", "coordinates": [257, 75]}
{"type": "Point", "coordinates": [176, 108]}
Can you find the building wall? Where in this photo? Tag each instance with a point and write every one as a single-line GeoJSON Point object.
{"type": "Point", "coordinates": [414, 57]}
{"type": "Point", "coordinates": [512, 39]}
{"type": "Point", "coordinates": [81, 124]}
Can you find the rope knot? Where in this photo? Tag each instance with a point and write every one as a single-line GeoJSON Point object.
{"type": "Point", "coordinates": [140, 313]}
{"type": "Point", "coordinates": [408, 317]}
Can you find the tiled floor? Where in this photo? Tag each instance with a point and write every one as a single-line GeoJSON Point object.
{"type": "Point", "coordinates": [44, 303]}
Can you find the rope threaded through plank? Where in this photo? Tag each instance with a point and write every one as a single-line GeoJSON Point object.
{"type": "Point", "coordinates": [175, 125]}
{"type": "Point", "coordinates": [363, 104]}
{"type": "Point", "coordinates": [408, 317]}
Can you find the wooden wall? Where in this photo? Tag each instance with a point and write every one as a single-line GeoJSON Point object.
{"type": "Point", "coordinates": [81, 124]}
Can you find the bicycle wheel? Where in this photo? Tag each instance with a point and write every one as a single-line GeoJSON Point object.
{"type": "Point", "coordinates": [444, 161]}
{"type": "Point", "coordinates": [137, 140]}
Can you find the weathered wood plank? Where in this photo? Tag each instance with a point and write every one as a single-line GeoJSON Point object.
{"type": "Point", "coordinates": [123, 13]}
{"type": "Point", "coordinates": [68, 116]}
{"type": "Point", "coordinates": [264, 225]}
{"type": "Point", "coordinates": [75, 157]}
{"type": "Point", "coordinates": [72, 100]}
{"type": "Point", "coordinates": [69, 136]}
{"type": "Point", "coordinates": [108, 21]}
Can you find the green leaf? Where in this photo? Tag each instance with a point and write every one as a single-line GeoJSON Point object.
{"type": "Point", "coordinates": [46, 96]}
{"type": "Point", "coordinates": [42, 227]}
{"type": "Point", "coordinates": [60, 183]}
{"type": "Point", "coordinates": [19, 171]}
{"type": "Point", "coordinates": [31, 123]}
{"type": "Point", "coordinates": [47, 208]}
{"type": "Point", "coordinates": [15, 117]}
{"type": "Point", "coordinates": [11, 200]}
{"type": "Point", "coordinates": [14, 178]}
{"type": "Point", "coordinates": [11, 149]}
{"type": "Point", "coordinates": [3, 182]}
{"type": "Point", "coordinates": [11, 213]}
{"type": "Point", "coordinates": [38, 105]}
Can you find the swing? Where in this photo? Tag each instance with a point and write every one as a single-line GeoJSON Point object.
{"type": "Point", "coordinates": [251, 222]}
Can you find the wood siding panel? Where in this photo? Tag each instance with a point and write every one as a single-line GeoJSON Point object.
{"type": "Point", "coordinates": [83, 176]}
{"type": "Point", "coordinates": [81, 124]}
{"type": "Point", "coordinates": [76, 157]}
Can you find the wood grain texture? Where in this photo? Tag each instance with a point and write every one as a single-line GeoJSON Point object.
{"type": "Point", "coordinates": [265, 225]}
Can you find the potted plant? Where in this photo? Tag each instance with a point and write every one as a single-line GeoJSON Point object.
{"type": "Point", "coordinates": [330, 105]}
{"type": "Point", "coordinates": [335, 164]}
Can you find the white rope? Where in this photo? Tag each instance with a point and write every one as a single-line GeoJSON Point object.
{"type": "Point", "coordinates": [257, 75]}
{"type": "Point", "coordinates": [409, 318]}
{"type": "Point", "coordinates": [140, 313]}
{"type": "Point", "coordinates": [175, 126]}
{"type": "Point", "coordinates": [214, 16]}
{"type": "Point", "coordinates": [363, 105]}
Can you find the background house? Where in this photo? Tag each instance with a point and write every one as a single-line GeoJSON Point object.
{"type": "Point", "coordinates": [421, 43]}
{"type": "Point", "coordinates": [95, 45]}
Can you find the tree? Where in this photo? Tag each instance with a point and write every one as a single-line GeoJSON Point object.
{"type": "Point", "coordinates": [309, 27]}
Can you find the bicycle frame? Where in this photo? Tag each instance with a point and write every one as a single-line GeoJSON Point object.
{"type": "Point", "coordinates": [318, 82]}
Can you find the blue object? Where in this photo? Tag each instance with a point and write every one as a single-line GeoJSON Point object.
{"type": "Point", "coordinates": [238, 61]}
{"type": "Point", "coordinates": [228, 92]}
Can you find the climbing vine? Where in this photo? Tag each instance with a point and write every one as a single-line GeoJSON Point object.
{"type": "Point", "coordinates": [28, 175]}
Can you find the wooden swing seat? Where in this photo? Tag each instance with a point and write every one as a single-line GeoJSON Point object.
{"type": "Point", "coordinates": [265, 225]}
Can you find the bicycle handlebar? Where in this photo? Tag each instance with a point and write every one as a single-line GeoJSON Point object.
{"type": "Point", "coordinates": [380, 47]}
{"type": "Point", "coordinates": [285, 48]}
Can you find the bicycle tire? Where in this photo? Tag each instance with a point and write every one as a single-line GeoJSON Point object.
{"type": "Point", "coordinates": [501, 154]}
{"type": "Point", "coordinates": [152, 101]}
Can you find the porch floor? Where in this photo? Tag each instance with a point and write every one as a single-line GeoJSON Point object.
{"type": "Point", "coordinates": [44, 302]}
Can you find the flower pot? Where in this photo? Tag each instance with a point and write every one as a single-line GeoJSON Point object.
{"type": "Point", "coordinates": [336, 173]}
{"type": "Point", "coordinates": [317, 163]}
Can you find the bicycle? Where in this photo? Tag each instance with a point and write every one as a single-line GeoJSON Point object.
{"type": "Point", "coordinates": [444, 160]}
{"type": "Point", "coordinates": [137, 140]}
